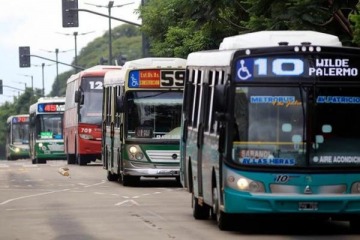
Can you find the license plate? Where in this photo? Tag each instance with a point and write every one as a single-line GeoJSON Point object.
{"type": "Point", "coordinates": [308, 206]}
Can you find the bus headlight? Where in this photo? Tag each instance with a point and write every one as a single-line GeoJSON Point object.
{"type": "Point", "coordinates": [40, 145]}
{"type": "Point", "coordinates": [135, 153]}
{"type": "Point", "coordinates": [17, 150]}
{"type": "Point", "coordinates": [86, 136]}
{"type": "Point", "coordinates": [244, 184]}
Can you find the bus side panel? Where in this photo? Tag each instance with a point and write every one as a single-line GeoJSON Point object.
{"type": "Point", "coordinates": [70, 130]}
{"type": "Point", "coordinates": [192, 153]}
{"type": "Point", "coordinates": [210, 156]}
{"type": "Point", "coordinates": [117, 151]}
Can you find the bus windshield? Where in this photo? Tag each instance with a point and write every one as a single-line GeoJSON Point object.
{"type": "Point", "coordinates": [49, 126]}
{"type": "Point", "coordinates": [276, 126]}
{"type": "Point", "coordinates": [91, 109]}
{"type": "Point", "coordinates": [154, 114]}
{"type": "Point", "coordinates": [20, 133]}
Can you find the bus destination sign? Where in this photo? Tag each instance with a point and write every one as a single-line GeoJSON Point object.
{"type": "Point", "coordinates": [51, 107]}
{"type": "Point", "coordinates": [156, 78]}
{"type": "Point", "coordinates": [20, 119]}
{"type": "Point", "coordinates": [248, 69]}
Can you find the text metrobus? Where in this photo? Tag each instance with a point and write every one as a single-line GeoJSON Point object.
{"type": "Point", "coordinates": [271, 128]}
{"type": "Point", "coordinates": [46, 129]}
{"type": "Point", "coordinates": [141, 119]}
{"type": "Point", "coordinates": [82, 117]}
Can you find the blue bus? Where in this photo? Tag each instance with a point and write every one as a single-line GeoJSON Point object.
{"type": "Point", "coordinates": [270, 128]}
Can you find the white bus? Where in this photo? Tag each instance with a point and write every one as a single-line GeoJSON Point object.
{"type": "Point", "coordinates": [270, 128]}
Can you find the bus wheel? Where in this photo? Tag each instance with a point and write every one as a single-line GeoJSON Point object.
{"type": "Point", "coordinates": [200, 212]}
{"type": "Point", "coordinates": [130, 180]}
{"type": "Point", "coordinates": [70, 158]}
{"type": "Point", "coordinates": [224, 220]}
{"type": "Point", "coordinates": [111, 176]}
{"type": "Point", "coordinates": [355, 226]}
{"type": "Point", "coordinates": [81, 160]}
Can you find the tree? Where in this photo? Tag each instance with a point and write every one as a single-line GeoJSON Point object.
{"type": "Point", "coordinates": [178, 27]}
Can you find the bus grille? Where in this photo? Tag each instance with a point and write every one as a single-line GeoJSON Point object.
{"type": "Point", "coordinates": [163, 156]}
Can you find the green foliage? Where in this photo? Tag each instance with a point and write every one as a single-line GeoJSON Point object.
{"type": "Point", "coordinates": [178, 27]}
{"type": "Point", "coordinates": [126, 42]}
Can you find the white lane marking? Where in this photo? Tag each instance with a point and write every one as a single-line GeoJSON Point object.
{"type": "Point", "coordinates": [30, 196]}
{"type": "Point", "coordinates": [4, 165]}
{"type": "Point", "coordinates": [128, 203]}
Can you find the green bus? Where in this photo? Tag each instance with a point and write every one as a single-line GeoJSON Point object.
{"type": "Point", "coordinates": [46, 129]}
{"type": "Point", "coordinates": [17, 137]}
{"type": "Point", "coordinates": [141, 119]}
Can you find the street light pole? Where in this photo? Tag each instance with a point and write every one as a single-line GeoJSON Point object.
{"type": "Point", "coordinates": [109, 6]}
{"type": "Point", "coordinates": [43, 85]}
{"type": "Point", "coordinates": [75, 34]}
{"type": "Point", "coordinates": [57, 63]}
{"type": "Point", "coordinates": [32, 80]}
{"type": "Point", "coordinates": [75, 37]}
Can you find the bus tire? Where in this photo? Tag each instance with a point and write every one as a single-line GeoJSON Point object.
{"type": "Point", "coordinates": [111, 177]}
{"type": "Point", "coordinates": [355, 226]}
{"type": "Point", "coordinates": [224, 220]}
{"type": "Point", "coordinates": [200, 212]}
{"type": "Point", "coordinates": [81, 160]}
{"type": "Point", "coordinates": [70, 158]}
{"type": "Point", "coordinates": [130, 180]}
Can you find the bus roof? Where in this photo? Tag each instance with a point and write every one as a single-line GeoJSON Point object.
{"type": "Point", "coordinates": [113, 77]}
{"type": "Point", "coordinates": [155, 62]}
{"type": "Point", "coordinates": [274, 38]}
{"type": "Point", "coordinates": [118, 76]}
{"type": "Point", "coordinates": [230, 45]}
{"type": "Point", "coordinates": [98, 70]}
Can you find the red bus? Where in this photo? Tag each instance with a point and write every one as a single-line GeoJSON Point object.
{"type": "Point", "coordinates": [83, 115]}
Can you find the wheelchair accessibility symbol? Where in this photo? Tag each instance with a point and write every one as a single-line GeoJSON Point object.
{"type": "Point", "coordinates": [243, 72]}
{"type": "Point", "coordinates": [134, 81]}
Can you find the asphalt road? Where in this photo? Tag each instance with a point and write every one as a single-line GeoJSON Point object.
{"type": "Point", "coordinates": [39, 202]}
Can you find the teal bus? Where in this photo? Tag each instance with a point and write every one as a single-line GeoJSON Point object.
{"type": "Point", "coordinates": [46, 129]}
{"type": "Point", "coordinates": [141, 119]}
{"type": "Point", "coordinates": [270, 128]}
{"type": "Point", "coordinates": [17, 137]}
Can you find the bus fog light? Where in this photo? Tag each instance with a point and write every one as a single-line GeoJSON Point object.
{"type": "Point", "coordinates": [254, 187]}
{"type": "Point", "coordinates": [139, 156]}
{"type": "Point", "coordinates": [355, 188]}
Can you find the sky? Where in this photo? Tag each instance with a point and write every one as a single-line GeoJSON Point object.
{"type": "Point", "coordinates": [38, 24]}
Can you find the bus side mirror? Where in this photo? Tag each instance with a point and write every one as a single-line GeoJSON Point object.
{"type": "Point", "coordinates": [79, 97]}
{"type": "Point", "coordinates": [119, 104]}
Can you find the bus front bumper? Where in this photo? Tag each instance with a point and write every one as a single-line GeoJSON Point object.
{"type": "Point", "coordinates": [152, 172]}
{"type": "Point", "coordinates": [243, 202]}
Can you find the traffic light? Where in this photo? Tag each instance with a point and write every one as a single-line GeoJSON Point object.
{"type": "Point", "coordinates": [1, 87]}
{"type": "Point", "coordinates": [24, 57]}
{"type": "Point", "coordinates": [70, 18]}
